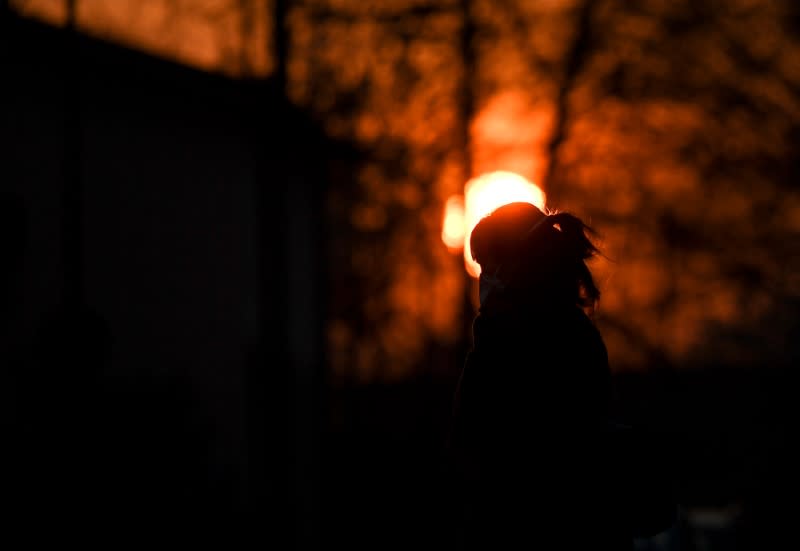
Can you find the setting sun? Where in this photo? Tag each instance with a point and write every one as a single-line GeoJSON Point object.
{"type": "Point", "coordinates": [484, 194]}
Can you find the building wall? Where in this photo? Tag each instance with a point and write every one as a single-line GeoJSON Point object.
{"type": "Point", "coordinates": [184, 347]}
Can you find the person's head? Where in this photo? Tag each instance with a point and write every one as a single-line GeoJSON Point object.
{"type": "Point", "coordinates": [530, 253]}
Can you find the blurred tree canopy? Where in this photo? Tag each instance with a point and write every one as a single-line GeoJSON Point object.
{"type": "Point", "coordinates": [669, 125]}
{"type": "Point", "coordinates": [228, 36]}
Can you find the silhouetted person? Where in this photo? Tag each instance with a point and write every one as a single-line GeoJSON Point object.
{"type": "Point", "coordinates": [538, 463]}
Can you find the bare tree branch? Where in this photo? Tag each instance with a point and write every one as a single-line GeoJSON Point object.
{"type": "Point", "coordinates": [575, 60]}
{"type": "Point", "coordinates": [468, 86]}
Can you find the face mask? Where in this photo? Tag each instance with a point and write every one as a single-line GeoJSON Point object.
{"type": "Point", "coordinates": [487, 283]}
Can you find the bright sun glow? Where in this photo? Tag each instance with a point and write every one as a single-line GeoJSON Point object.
{"type": "Point", "coordinates": [488, 192]}
{"type": "Point", "coordinates": [453, 228]}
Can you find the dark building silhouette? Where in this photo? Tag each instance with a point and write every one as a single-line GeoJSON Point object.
{"type": "Point", "coordinates": [162, 318]}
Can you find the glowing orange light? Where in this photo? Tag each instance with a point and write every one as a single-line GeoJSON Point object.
{"type": "Point", "coordinates": [454, 226]}
{"type": "Point", "coordinates": [488, 192]}
{"type": "Point", "coordinates": [484, 194]}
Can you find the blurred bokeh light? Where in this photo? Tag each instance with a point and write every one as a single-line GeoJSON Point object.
{"type": "Point", "coordinates": [454, 223]}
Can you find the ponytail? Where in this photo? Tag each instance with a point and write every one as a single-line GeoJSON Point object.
{"type": "Point", "coordinates": [574, 231]}
{"type": "Point", "coordinates": [565, 238]}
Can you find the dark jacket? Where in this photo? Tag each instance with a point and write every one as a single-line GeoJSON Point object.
{"type": "Point", "coordinates": [537, 460]}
